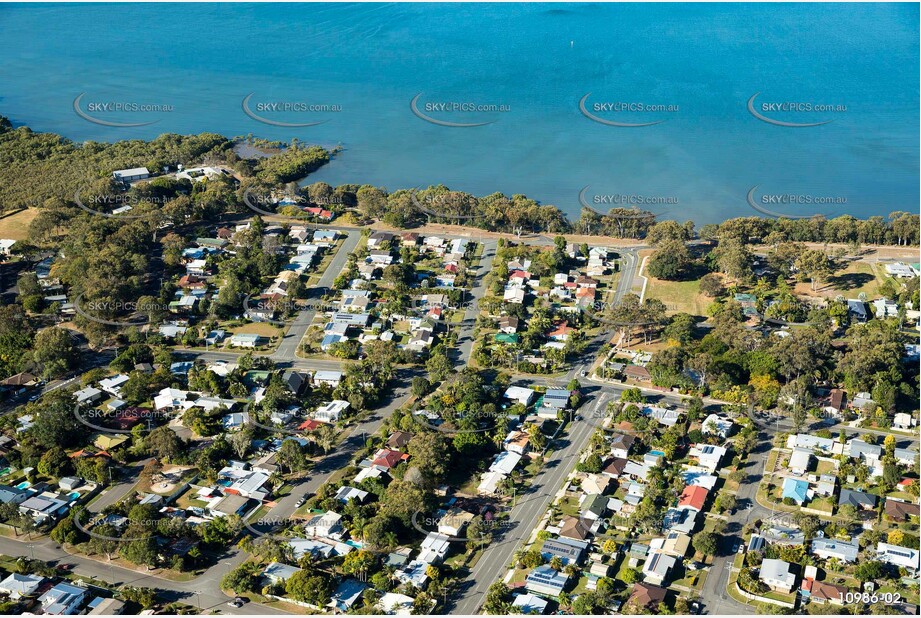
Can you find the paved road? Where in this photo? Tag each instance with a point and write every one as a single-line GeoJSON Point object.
{"type": "Point", "coordinates": [714, 596]}
{"type": "Point", "coordinates": [494, 562]}
{"type": "Point", "coordinates": [465, 331]}
{"type": "Point", "coordinates": [203, 591]}
{"type": "Point", "coordinates": [627, 273]}
{"type": "Point", "coordinates": [287, 349]}
{"type": "Point", "coordinates": [345, 451]}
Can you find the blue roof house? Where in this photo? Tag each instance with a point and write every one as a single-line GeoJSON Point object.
{"type": "Point", "coordinates": [796, 489]}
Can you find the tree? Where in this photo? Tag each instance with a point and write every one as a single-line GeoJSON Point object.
{"type": "Point", "coordinates": [705, 543]}
{"type": "Point", "coordinates": [164, 443]}
{"type": "Point", "coordinates": [240, 442]}
{"type": "Point", "coordinates": [429, 452]}
{"type": "Point", "coordinates": [420, 387]}
{"type": "Point", "coordinates": [105, 541]}
{"type": "Point", "coordinates": [54, 351]}
{"type": "Point", "coordinates": [55, 421]}
{"type": "Point", "coordinates": [291, 456]}
{"type": "Point", "coordinates": [670, 261]}
{"type": "Point", "coordinates": [498, 599]}
{"type": "Point", "coordinates": [306, 587]}
{"type": "Point", "coordinates": [870, 571]}
{"type": "Point", "coordinates": [55, 463]}
{"type": "Point", "coordinates": [141, 551]}
{"type": "Point", "coordinates": [725, 502]}
{"type": "Point", "coordinates": [359, 562]}
{"type": "Point", "coordinates": [813, 265]}
{"type": "Point", "coordinates": [711, 285]}
{"type": "Point", "coordinates": [439, 367]}
{"type": "Point", "coordinates": [630, 575]}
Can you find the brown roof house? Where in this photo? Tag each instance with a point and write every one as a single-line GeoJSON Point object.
{"type": "Point", "coordinates": [399, 439]}
{"type": "Point", "coordinates": [646, 596]}
{"type": "Point", "coordinates": [901, 511]}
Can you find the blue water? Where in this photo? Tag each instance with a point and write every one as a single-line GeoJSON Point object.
{"type": "Point", "coordinates": [539, 60]}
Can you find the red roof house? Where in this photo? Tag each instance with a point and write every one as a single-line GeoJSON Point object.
{"type": "Point", "coordinates": [693, 496]}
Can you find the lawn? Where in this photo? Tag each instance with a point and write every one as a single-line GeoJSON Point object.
{"type": "Point", "coordinates": [826, 505]}
{"type": "Point", "coordinates": [679, 296]}
{"type": "Point", "coordinates": [16, 225]}
{"type": "Point", "coordinates": [256, 328]}
{"type": "Point", "coordinates": [856, 278]}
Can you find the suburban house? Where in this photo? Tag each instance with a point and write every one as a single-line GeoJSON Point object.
{"type": "Point", "coordinates": [544, 580]}
{"type": "Point", "coordinates": [823, 592]}
{"type": "Point", "coordinates": [897, 555]}
{"type": "Point", "coordinates": [844, 551]}
{"type": "Point", "coordinates": [621, 444]}
{"type": "Point", "coordinates": [899, 510]}
{"type": "Point", "coordinates": [862, 501]}
{"type": "Point", "coordinates": [777, 575]}
{"type": "Point", "coordinates": [646, 597]}
{"type": "Point", "coordinates": [63, 599]}
{"type": "Point", "coordinates": [569, 551]}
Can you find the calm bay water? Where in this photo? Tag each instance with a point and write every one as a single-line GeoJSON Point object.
{"type": "Point", "coordinates": [701, 63]}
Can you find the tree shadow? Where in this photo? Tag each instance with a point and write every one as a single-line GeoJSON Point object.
{"type": "Point", "coordinates": [850, 281]}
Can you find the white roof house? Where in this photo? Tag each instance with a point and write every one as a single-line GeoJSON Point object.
{"type": "Point", "coordinates": [657, 567]}
{"type": "Point", "coordinates": [489, 483]}
{"type": "Point", "coordinates": [113, 385]}
{"type": "Point", "coordinates": [899, 556]}
{"type": "Point", "coordinates": [21, 585]}
{"type": "Point", "coordinates": [529, 604]}
{"type": "Point", "coordinates": [519, 394]}
{"type": "Point", "coordinates": [328, 524]}
{"type": "Point", "coordinates": [505, 462]}
{"type": "Point", "coordinates": [394, 604]}
{"type": "Point", "coordinates": [777, 574]}
{"type": "Point", "coordinates": [134, 173]}
{"type": "Point", "coordinates": [901, 270]}
{"type": "Point", "coordinates": [277, 572]}
{"type": "Point", "coordinates": [800, 461]}
{"type": "Point", "coordinates": [802, 440]}
{"type": "Point", "coordinates": [718, 425]}
{"type": "Point", "coordinates": [331, 412]}
{"type": "Point", "coordinates": [330, 378]}
{"type": "Point", "coordinates": [708, 456]}
{"type": "Point", "coordinates": [347, 493]}
{"type": "Point", "coordinates": [434, 548]}
{"type": "Point", "coordinates": [63, 599]}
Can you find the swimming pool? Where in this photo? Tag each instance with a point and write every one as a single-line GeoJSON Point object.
{"type": "Point", "coordinates": [24, 485]}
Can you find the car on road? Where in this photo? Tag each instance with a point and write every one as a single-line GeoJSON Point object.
{"type": "Point", "coordinates": [238, 602]}
{"type": "Point", "coordinates": [583, 373]}
{"type": "Point", "coordinates": [300, 502]}
{"type": "Point", "coordinates": [740, 548]}
{"type": "Point", "coordinates": [695, 608]}
{"type": "Point", "coordinates": [35, 397]}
